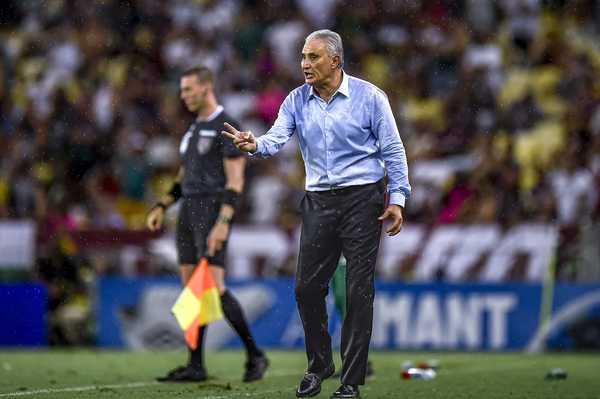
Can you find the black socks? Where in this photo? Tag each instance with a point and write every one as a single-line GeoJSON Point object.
{"type": "Point", "coordinates": [235, 316]}
{"type": "Point", "coordinates": [197, 355]}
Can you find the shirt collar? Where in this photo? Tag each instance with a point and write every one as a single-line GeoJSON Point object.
{"type": "Point", "coordinates": [343, 89]}
{"type": "Point", "coordinates": [212, 116]}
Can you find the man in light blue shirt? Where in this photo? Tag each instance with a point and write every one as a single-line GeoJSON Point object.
{"type": "Point", "coordinates": [348, 139]}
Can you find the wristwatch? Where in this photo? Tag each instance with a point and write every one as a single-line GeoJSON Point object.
{"type": "Point", "coordinates": [224, 219]}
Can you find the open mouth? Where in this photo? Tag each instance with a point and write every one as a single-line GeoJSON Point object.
{"type": "Point", "coordinates": [308, 75]}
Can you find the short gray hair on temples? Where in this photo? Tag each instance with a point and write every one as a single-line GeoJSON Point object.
{"type": "Point", "coordinates": [333, 42]}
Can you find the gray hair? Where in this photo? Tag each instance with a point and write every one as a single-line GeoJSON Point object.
{"type": "Point", "coordinates": [333, 42]}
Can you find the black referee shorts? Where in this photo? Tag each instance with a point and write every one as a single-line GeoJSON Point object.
{"type": "Point", "coordinates": [197, 216]}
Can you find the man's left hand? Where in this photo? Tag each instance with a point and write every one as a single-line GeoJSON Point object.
{"type": "Point", "coordinates": [393, 212]}
{"type": "Point", "coordinates": [217, 237]}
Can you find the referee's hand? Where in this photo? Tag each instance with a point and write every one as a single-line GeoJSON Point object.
{"type": "Point", "coordinates": [155, 217]}
{"type": "Point", "coordinates": [244, 141]}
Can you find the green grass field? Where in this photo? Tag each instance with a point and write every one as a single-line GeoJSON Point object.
{"type": "Point", "coordinates": [109, 374]}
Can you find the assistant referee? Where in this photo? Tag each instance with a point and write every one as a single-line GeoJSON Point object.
{"type": "Point", "coordinates": [209, 184]}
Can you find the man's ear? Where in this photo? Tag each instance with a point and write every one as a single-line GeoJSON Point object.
{"type": "Point", "coordinates": [207, 88]}
{"type": "Point", "coordinates": [335, 64]}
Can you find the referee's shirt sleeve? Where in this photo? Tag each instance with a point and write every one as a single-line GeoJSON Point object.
{"type": "Point", "coordinates": [392, 149]}
{"type": "Point", "coordinates": [282, 130]}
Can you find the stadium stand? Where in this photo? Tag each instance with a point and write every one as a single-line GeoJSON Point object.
{"type": "Point", "coordinates": [498, 104]}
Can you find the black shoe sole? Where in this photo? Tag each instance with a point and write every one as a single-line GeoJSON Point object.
{"type": "Point", "coordinates": [309, 395]}
{"type": "Point", "coordinates": [344, 396]}
{"type": "Point", "coordinates": [173, 381]}
{"type": "Point", "coordinates": [170, 379]}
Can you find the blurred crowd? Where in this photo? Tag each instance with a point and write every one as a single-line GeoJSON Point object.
{"type": "Point", "coordinates": [498, 105]}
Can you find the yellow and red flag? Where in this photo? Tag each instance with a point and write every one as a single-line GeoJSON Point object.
{"type": "Point", "coordinates": [198, 304]}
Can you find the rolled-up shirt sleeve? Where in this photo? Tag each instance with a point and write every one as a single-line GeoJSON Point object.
{"type": "Point", "coordinates": [282, 130]}
{"type": "Point", "coordinates": [392, 149]}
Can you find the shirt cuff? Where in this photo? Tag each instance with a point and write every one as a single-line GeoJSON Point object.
{"type": "Point", "coordinates": [397, 199]}
{"type": "Point", "coordinates": [258, 152]}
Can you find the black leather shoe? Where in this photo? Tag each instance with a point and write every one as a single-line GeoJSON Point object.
{"type": "Point", "coordinates": [310, 385]}
{"type": "Point", "coordinates": [255, 368]}
{"type": "Point", "coordinates": [184, 374]}
{"type": "Point", "coordinates": [346, 391]}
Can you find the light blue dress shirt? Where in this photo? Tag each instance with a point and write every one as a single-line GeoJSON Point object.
{"type": "Point", "coordinates": [350, 140]}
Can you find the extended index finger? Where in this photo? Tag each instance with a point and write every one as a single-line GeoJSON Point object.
{"type": "Point", "coordinates": [229, 135]}
{"type": "Point", "coordinates": [230, 128]}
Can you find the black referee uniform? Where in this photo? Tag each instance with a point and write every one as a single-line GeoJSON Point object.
{"type": "Point", "coordinates": [202, 151]}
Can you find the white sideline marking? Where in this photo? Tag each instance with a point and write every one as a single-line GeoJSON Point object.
{"type": "Point", "coordinates": [134, 385]}
{"type": "Point", "coordinates": [79, 389]}
{"type": "Point", "coordinates": [242, 394]}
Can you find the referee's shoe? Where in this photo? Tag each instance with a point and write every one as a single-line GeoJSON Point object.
{"type": "Point", "coordinates": [188, 373]}
{"type": "Point", "coordinates": [255, 368]}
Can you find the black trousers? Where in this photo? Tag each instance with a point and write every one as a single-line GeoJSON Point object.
{"type": "Point", "coordinates": [335, 222]}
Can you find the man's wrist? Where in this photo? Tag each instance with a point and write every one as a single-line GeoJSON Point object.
{"type": "Point", "coordinates": [255, 143]}
{"type": "Point", "coordinates": [223, 219]}
{"type": "Point", "coordinates": [256, 152]}
{"type": "Point", "coordinates": [397, 198]}
{"type": "Point", "coordinates": [175, 191]}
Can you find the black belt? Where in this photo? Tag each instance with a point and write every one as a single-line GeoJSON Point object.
{"type": "Point", "coordinates": [346, 189]}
